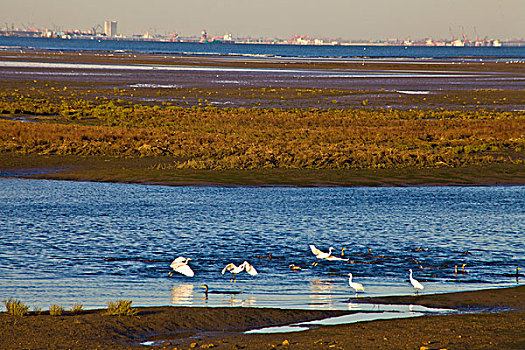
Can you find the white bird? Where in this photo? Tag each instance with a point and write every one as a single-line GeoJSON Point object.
{"type": "Point", "coordinates": [319, 254]}
{"type": "Point", "coordinates": [336, 258]}
{"type": "Point", "coordinates": [415, 283]}
{"type": "Point", "coordinates": [355, 285]}
{"type": "Point", "coordinates": [245, 266]}
{"type": "Point", "coordinates": [180, 265]}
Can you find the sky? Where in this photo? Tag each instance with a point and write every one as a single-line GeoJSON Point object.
{"type": "Point", "coordinates": [346, 19]}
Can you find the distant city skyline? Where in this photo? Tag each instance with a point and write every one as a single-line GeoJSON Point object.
{"type": "Point", "coordinates": [372, 19]}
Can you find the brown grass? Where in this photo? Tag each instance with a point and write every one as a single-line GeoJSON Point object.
{"type": "Point", "coordinates": [211, 138]}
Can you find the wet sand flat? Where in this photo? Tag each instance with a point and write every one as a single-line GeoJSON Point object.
{"type": "Point", "coordinates": [239, 82]}
{"type": "Point", "coordinates": [36, 78]}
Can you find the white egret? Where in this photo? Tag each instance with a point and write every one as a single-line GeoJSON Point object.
{"type": "Point", "coordinates": [336, 258]}
{"type": "Point", "coordinates": [180, 265]}
{"type": "Point", "coordinates": [415, 283]}
{"type": "Point", "coordinates": [245, 266]}
{"type": "Point", "coordinates": [355, 285]}
{"type": "Point", "coordinates": [319, 254]}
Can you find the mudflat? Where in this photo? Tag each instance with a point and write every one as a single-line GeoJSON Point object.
{"type": "Point", "coordinates": [194, 120]}
{"type": "Point", "coordinates": [488, 319]}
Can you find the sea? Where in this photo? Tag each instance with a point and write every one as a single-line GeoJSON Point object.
{"type": "Point", "coordinates": [266, 50]}
{"type": "Point", "coordinates": [65, 242]}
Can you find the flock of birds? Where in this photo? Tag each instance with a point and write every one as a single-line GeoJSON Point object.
{"type": "Point", "coordinates": [358, 287]}
{"type": "Point", "coordinates": [181, 266]}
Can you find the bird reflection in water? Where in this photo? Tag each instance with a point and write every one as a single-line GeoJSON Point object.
{"type": "Point", "coordinates": [321, 290]}
{"type": "Point", "coordinates": [182, 294]}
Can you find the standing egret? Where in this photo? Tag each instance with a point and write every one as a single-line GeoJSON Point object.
{"type": "Point", "coordinates": [415, 283]}
{"type": "Point", "coordinates": [355, 285]}
{"type": "Point", "coordinates": [232, 268]}
{"type": "Point", "coordinates": [180, 265]}
{"type": "Point", "coordinates": [319, 254]}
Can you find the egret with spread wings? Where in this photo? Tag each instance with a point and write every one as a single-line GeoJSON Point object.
{"type": "Point", "coordinates": [320, 254]}
{"type": "Point", "coordinates": [245, 266]}
{"type": "Point", "coordinates": [180, 265]}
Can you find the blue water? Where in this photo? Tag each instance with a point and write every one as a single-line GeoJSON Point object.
{"type": "Point", "coordinates": [263, 49]}
{"type": "Point", "coordinates": [66, 242]}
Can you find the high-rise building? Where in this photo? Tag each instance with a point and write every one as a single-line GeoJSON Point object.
{"type": "Point", "coordinates": [110, 28]}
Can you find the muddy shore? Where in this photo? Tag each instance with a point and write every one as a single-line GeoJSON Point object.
{"type": "Point", "coordinates": [236, 82]}
{"type": "Point", "coordinates": [100, 169]}
{"type": "Point", "coordinates": [268, 82]}
{"type": "Point", "coordinates": [489, 319]}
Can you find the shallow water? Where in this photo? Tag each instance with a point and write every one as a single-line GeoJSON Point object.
{"type": "Point", "coordinates": [360, 312]}
{"type": "Point", "coordinates": [66, 242]}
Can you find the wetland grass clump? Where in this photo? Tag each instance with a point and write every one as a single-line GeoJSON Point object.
{"type": "Point", "coordinates": [120, 308]}
{"type": "Point", "coordinates": [16, 307]}
{"type": "Point", "coordinates": [56, 310]}
{"type": "Point", "coordinates": [77, 308]}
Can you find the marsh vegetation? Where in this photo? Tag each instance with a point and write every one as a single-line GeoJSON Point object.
{"type": "Point", "coordinates": [257, 138]}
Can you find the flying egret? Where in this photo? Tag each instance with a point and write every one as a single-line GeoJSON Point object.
{"type": "Point", "coordinates": [355, 285]}
{"type": "Point", "coordinates": [180, 265]}
{"type": "Point", "coordinates": [415, 283]}
{"type": "Point", "coordinates": [336, 258]}
{"type": "Point", "coordinates": [232, 268]}
{"type": "Point", "coordinates": [319, 254]}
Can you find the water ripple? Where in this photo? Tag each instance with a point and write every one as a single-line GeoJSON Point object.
{"type": "Point", "coordinates": [86, 241]}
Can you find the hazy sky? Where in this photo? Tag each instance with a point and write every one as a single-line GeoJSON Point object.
{"type": "Point", "coordinates": [349, 19]}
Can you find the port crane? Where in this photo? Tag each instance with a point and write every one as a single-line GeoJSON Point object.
{"type": "Point", "coordinates": [96, 28]}
{"type": "Point", "coordinates": [465, 38]}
